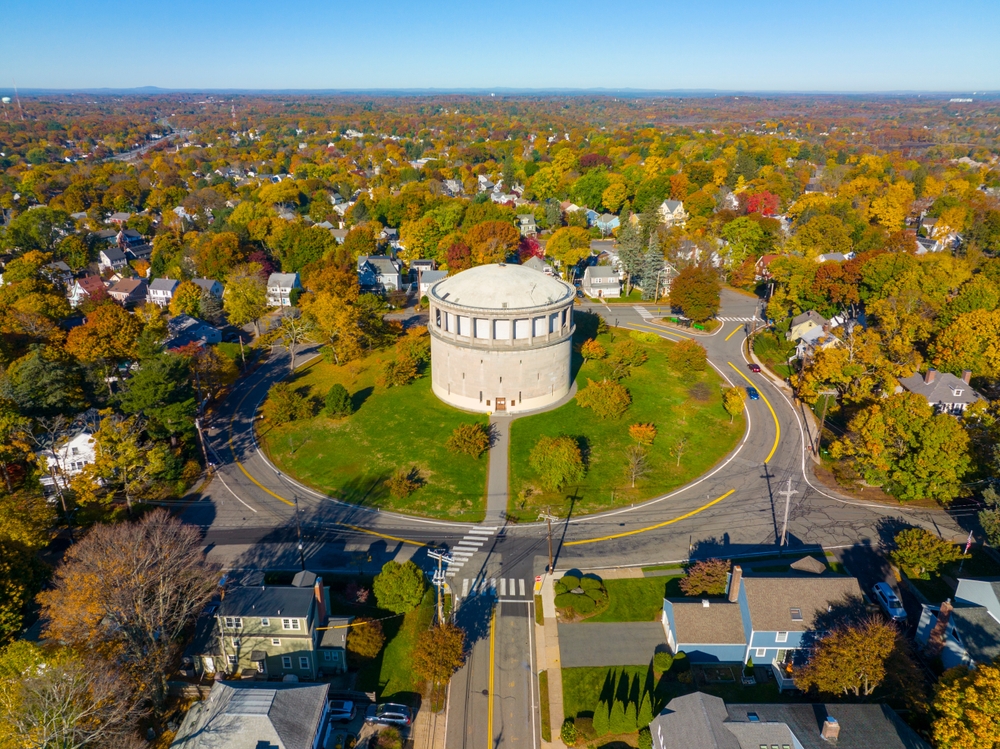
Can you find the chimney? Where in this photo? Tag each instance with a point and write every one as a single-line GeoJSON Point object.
{"type": "Point", "coordinates": [831, 729]}
{"type": "Point", "coordinates": [966, 375]}
{"type": "Point", "coordinates": [705, 603]}
{"type": "Point", "coordinates": [929, 377]}
{"type": "Point", "coordinates": [734, 583]}
{"type": "Point", "coordinates": [935, 640]}
{"type": "Point", "coordinates": [320, 600]}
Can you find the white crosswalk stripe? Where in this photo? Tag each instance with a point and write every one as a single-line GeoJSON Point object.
{"type": "Point", "coordinates": [739, 319]}
{"type": "Point", "coordinates": [503, 586]}
{"type": "Point", "coordinates": [520, 585]}
{"type": "Point", "coordinates": [643, 312]}
{"type": "Point", "coordinates": [506, 588]}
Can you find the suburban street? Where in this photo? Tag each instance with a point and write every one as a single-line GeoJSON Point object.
{"type": "Point", "coordinates": [252, 516]}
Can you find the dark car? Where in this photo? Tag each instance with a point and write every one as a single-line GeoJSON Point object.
{"type": "Point", "coordinates": [755, 368]}
{"type": "Point", "coordinates": [752, 394]}
{"type": "Point", "coordinates": [389, 714]}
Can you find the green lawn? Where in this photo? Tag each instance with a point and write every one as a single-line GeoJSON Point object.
{"type": "Point", "coordinates": [976, 564]}
{"type": "Point", "coordinates": [390, 675]}
{"type": "Point", "coordinates": [398, 428]}
{"type": "Point", "coordinates": [682, 408]}
{"type": "Point", "coordinates": [543, 705]}
{"type": "Point", "coordinates": [637, 599]}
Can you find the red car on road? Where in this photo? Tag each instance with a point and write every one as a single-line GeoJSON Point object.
{"type": "Point", "coordinates": [755, 368]}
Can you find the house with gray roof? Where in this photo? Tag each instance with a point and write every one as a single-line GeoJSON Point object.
{"type": "Point", "coordinates": [536, 263]}
{"type": "Point", "coordinates": [943, 390]}
{"type": "Point", "coordinates": [805, 322]}
{"type": "Point", "coordinates": [161, 291]}
{"type": "Point", "coordinates": [272, 631]}
{"type": "Point", "coordinates": [768, 618]}
{"type": "Point", "coordinates": [601, 282]}
{"type": "Point", "coordinates": [111, 258]}
{"type": "Point", "coordinates": [240, 715]}
{"type": "Point", "coordinates": [702, 721]}
{"type": "Point", "coordinates": [280, 288]}
{"type": "Point", "coordinates": [381, 273]}
{"type": "Point", "coordinates": [672, 213]}
{"type": "Point", "coordinates": [966, 633]}
{"type": "Point", "coordinates": [209, 285]}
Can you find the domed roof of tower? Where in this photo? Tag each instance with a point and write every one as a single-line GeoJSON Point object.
{"type": "Point", "coordinates": [501, 287]}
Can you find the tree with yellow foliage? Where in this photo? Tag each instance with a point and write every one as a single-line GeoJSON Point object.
{"type": "Point", "coordinates": [186, 300]}
{"type": "Point", "coordinates": [967, 708]}
{"type": "Point", "coordinates": [890, 208]}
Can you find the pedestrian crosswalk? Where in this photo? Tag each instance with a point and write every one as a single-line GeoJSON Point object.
{"type": "Point", "coordinates": [644, 313]}
{"type": "Point", "coordinates": [739, 319]}
{"type": "Point", "coordinates": [472, 542]}
{"type": "Point", "coordinates": [497, 587]}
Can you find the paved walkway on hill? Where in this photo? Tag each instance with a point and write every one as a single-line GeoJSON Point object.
{"type": "Point", "coordinates": [496, 484]}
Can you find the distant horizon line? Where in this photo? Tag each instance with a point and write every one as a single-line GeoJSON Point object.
{"type": "Point", "coordinates": [501, 90]}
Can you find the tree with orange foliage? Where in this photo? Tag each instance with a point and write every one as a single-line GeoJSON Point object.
{"type": "Point", "coordinates": [108, 337]}
{"type": "Point", "coordinates": [127, 592]}
{"type": "Point", "coordinates": [492, 241]}
{"type": "Point", "coordinates": [644, 434]}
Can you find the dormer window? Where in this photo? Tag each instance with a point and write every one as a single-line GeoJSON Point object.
{"type": "Point", "coordinates": [796, 615]}
{"type": "Point", "coordinates": [957, 392]}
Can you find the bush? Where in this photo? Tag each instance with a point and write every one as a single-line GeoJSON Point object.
{"type": "Point", "coordinates": [397, 372]}
{"type": "Point", "coordinates": [645, 739]}
{"type": "Point", "coordinates": [688, 357]}
{"type": "Point", "coordinates": [592, 350]}
{"type": "Point", "coordinates": [570, 581]}
{"type": "Point", "coordinates": [643, 336]}
{"type": "Point", "coordinates": [565, 600]}
{"type": "Point", "coordinates": [568, 732]}
{"type": "Point", "coordinates": [338, 402]}
{"type": "Point", "coordinates": [624, 357]}
{"type": "Point", "coordinates": [365, 639]}
{"type": "Point", "coordinates": [557, 461]}
{"type": "Point", "coordinates": [284, 404]}
{"type": "Point", "coordinates": [560, 587]}
{"type": "Point", "coordinates": [662, 662]}
{"type": "Point", "coordinates": [424, 301]}
{"type": "Point", "coordinates": [602, 718]}
{"type": "Point", "coordinates": [607, 398]}
{"type": "Point", "coordinates": [708, 576]}
{"type": "Point", "coordinates": [470, 439]}
{"type": "Point", "coordinates": [591, 582]}
{"type": "Point", "coordinates": [403, 483]}
{"type": "Point", "coordinates": [583, 604]}
{"type": "Point", "coordinates": [644, 434]}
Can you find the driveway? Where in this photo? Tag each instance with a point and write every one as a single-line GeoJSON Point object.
{"type": "Point", "coordinates": [609, 644]}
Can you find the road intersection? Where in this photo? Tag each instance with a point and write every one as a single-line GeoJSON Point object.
{"type": "Point", "coordinates": [255, 517]}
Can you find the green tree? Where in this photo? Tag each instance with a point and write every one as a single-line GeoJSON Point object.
{"type": "Point", "coordinates": [46, 381]}
{"type": "Point", "coordinates": [161, 391]}
{"type": "Point", "coordinates": [618, 723]}
{"type": "Point", "coordinates": [745, 239]}
{"type": "Point", "coordinates": [919, 551]}
{"type": "Point", "coordinates": [602, 718]}
{"type": "Point", "coordinates": [399, 587]}
{"type": "Point", "coordinates": [850, 660]}
{"type": "Point", "coordinates": [899, 443]}
{"type": "Point", "coordinates": [558, 461]}
{"type": "Point", "coordinates": [37, 229]}
{"type": "Point", "coordinates": [338, 401]}
{"type": "Point", "coordinates": [708, 576]}
{"type": "Point", "coordinates": [285, 404]}
{"type": "Point", "coordinates": [967, 708]}
{"type": "Point", "coordinates": [470, 439]}
{"type": "Point", "coordinates": [733, 400]}
{"type": "Point", "coordinates": [645, 714]}
{"type": "Point", "coordinates": [245, 300]}
{"type": "Point", "coordinates": [569, 245]}
{"type": "Point", "coordinates": [989, 518]}
{"type": "Point", "coordinates": [695, 291]}
{"type": "Point", "coordinates": [440, 651]}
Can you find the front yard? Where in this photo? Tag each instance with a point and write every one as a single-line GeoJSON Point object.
{"type": "Point", "coordinates": [638, 599]}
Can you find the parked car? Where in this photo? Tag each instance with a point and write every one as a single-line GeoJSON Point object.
{"type": "Point", "coordinates": [885, 596]}
{"type": "Point", "coordinates": [755, 368]}
{"type": "Point", "coordinates": [342, 711]}
{"type": "Point", "coordinates": [389, 714]}
{"type": "Point", "coordinates": [752, 394]}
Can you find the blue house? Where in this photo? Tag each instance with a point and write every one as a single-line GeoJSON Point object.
{"type": "Point", "coordinates": [766, 618]}
{"type": "Point", "coordinates": [607, 223]}
{"type": "Point", "coordinates": [966, 633]}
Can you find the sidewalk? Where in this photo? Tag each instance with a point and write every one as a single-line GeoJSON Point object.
{"type": "Point", "coordinates": [549, 660]}
{"type": "Point", "coordinates": [428, 730]}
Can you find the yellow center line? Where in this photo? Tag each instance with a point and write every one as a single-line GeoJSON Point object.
{"type": "Point", "coordinates": [734, 332]}
{"type": "Point", "coordinates": [656, 329]}
{"type": "Point", "coordinates": [651, 527]}
{"type": "Point", "coordinates": [777, 426]}
{"type": "Point", "coordinates": [489, 691]}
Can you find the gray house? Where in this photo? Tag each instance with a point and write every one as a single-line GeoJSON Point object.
{"type": "Point", "coordinates": [379, 273]}
{"type": "Point", "coordinates": [601, 281]}
{"type": "Point", "coordinates": [251, 716]}
{"type": "Point", "coordinates": [701, 721]}
{"type": "Point", "coordinates": [968, 632]}
{"type": "Point", "coordinates": [161, 291]}
{"type": "Point", "coordinates": [943, 390]}
{"type": "Point", "coordinates": [210, 285]}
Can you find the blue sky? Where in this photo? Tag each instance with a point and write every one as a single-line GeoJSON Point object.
{"type": "Point", "coordinates": [814, 45]}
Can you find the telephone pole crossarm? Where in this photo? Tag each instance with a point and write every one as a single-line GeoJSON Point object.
{"type": "Point", "coordinates": [787, 493]}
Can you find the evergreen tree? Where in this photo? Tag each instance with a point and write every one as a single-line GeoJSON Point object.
{"type": "Point", "coordinates": [601, 718]}
{"type": "Point", "coordinates": [651, 267]}
{"type": "Point", "coordinates": [630, 717]}
{"type": "Point", "coordinates": [211, 308]}
{"type": "Point", "coordinates": [618, 724]}
{"type": "Point", "coordinates": [645, 716]}
{"type": "Point", "coordinates": [630, 252]}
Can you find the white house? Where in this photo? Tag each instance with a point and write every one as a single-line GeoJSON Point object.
{"type": "Point", "coordinates": [112, 258]}
{"type": "Point", "coordinates": [185, 329]}
{"type": "Point", "coordinates": [672, 213]}
{"type": "Point", "coordinates": [210, 285]}
{"type": "Point", "coordinates": [601, 282]}
{"type": "Point", "coordinates": [430, 277]}
{"type": "Point", "coordinates": [280, 287]}
{"type": "Point", "coordinates": [84, 288]}
{"type": "Point", "coordinates": [161, 291]}
{"type": "Point", "coordinates": [67, 460]}
{"type": "Point", "coordinates": [943, 390]}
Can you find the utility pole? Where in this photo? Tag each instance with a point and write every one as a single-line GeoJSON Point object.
{"type": "Point", "coordinates": [822, 419]}
{"type": "Point", "coordinates": [298, 528]}
{"type": "Point", "coordinates": [204, 449]}
{"type": "Point", "coordinates": [788, 498]}
{"type": "Point", "coordinates": [438, 580]}
{"type": "Point", "coordinates": [549, 517]}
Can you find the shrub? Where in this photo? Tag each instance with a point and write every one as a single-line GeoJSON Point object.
{"type": "Point", "coordinates": [365, 639]}
{"type": "Point", "coordinates": [708, 576]}
{"type": "Point", "coordinates": [570, 581]}
{"type": "Point", "coordinates": [469, 439]}
{"type": "Point", "coordinates": [618, 724]}
{"type": "Point", "coordinates": [416, 345]}
{"type": "Point", "coordinates": [424, 301]}
{"type": "Point", "coordinates": [565, 600]}
{"type": "Point", "coordinates": [643, 336]}
{"type": "Point", "coordinates": [624, 357]}
{"type": "Point", "coordinates": [397, 372]}
{"type": "Point", "coordinates": [607, 398]}
{"type": "Point", "coordinates": [591, 582]}
{"type": "Point", "coordinates": [388, 738]}
{"type": "Point", "coordinates": [602, 718]}
{"type": "Point", "coordinates": [284, 404]}
{"type": "Point", "coordinates": [662, 662]}
{"type": "Point", "coordinates": [592, 350]}
{"type": "Point", "coordinates": [338, 401]}
{"type": "Point", "coordinates": [583, 604]}
{"type": "Point", "coordinates": [644, 434]}
{"type": "Point", "coordinates": [688, 357]}
{"type": "Point", "coordinates": [557, 461]}
{"type": "Point", "coordinates": [681, 662]}
{"type": "Point", "coordinates": [403, 483]}
{"type": "Point", "coordinates": [568, 732]}
{"type": "Point", "coordinates": [560, 587]}
{"type": "Point", "coordinates": [645, 738]}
